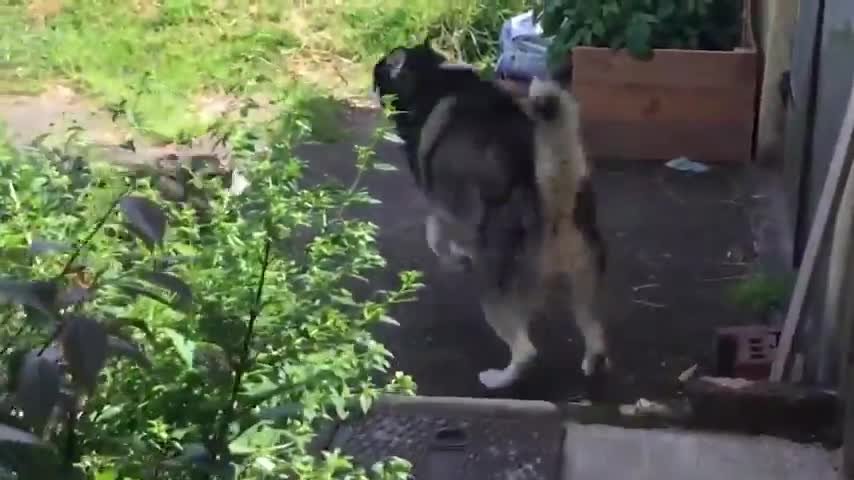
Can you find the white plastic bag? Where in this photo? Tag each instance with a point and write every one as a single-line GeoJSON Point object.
{"type": "Point", "coordinates": [523, 49]}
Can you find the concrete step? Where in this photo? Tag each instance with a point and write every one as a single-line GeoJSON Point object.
{"type": "Point", "coordinates": [449, 438]}
{"type": "Point", "coordinates": [597, 452]}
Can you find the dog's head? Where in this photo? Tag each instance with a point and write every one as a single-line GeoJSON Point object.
{"type": "Point", "coordinates": [399, 72]}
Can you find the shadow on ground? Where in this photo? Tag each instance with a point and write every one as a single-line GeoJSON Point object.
{"type": "Point", "coordinates": [676, 241]}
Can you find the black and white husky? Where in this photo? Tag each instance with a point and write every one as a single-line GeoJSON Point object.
{"type": "Point", "coordinates": [507, 180]}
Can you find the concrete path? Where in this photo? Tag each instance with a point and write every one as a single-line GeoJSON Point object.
{"type": "Point", "coordinates": [596, 452]}
{"type": "Point", "coordinates": [478, 439]}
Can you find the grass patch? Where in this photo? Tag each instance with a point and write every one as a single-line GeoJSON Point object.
{"type": "Point", "coordinates": [151, 64]}
{"type": "Point", "coordinates": [761, 293]}
{"type": "Point", "coordinates": [153, 61]}
{"type": "Point", "coordinates": [341, 39]}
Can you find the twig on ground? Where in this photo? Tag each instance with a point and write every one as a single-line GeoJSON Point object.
{"type": "Point", "coordinates": [649, 304]}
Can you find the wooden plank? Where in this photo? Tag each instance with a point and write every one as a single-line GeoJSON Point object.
{"type": "Point", "coordinates": [644, 104]}
{"type": "Point", "coordinates": [814, 242]}
{"type": "Point", "coordinates": [700, 104]}
{"type": "Point", "coordinates": [669, 68]}
{"type": "Point", "coordinates": [716, 142]}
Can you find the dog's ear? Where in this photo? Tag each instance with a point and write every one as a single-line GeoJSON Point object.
{"type": "Point", "coordinates": [395, 62]}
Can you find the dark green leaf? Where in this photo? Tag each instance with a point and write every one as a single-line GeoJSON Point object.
{"type": "Point", "coordinates": [192, 453]}
{"type": "Point", "coordinates": [115, 325]}
{"type": "Point", "coordinates": [577, 38]}
{"type": "Point", "coordinates": [37, 388]}
{"type": "Point", "coordinates": [170, 261]}
{"type": "Point", "coordinates": [39, 140]}
{"type": "Point", "coordinates": [40, 246]}
{"type": "Point", "coordinates": [41, 295]}
{"type": "Point", "coordinates": [213, 361]}
{"type": "Point", "coordinates": [281, 412]}
{"type": "Point", "coordinates": [553, 17]}
{"type": "Point", "coordinates": [666, 8]}
{"type": "Point", "coordinates": [13, 435]}
{"type": "Point", "coordinates": [257, 437]}
{"type": "Point", "coordinates": [73, 295]}
{"type": "Point", "coordinates": [37, 317]}
{"type": "Point", "coordinates": [138, 290]}
{"type": "Point", "coordinates": [182, 291]}
{"type": "Point", "coordinates": [598, 28]}
{"type": "Point", "coordinates": [185, 348]}
{"type": "Point", "coordinates": [145, 218]}
{"type": "Point", "coordinates": [120, 347]}
{"type": "Point", "coordinates": [170, 189]}
{"type": "Point", "coordinates": [84, 344]}
{"type": "Point", "coordinates": [29, 458]}
{"type": "Point", "coordinates": [196, 456]}
{"type": "Point", "coordinates": [638, 36]}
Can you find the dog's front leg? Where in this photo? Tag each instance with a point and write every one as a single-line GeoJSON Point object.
{"type": "Point", "coordinates": [457, 258]}
{"type": "Point", "coordinates": [433, 233]}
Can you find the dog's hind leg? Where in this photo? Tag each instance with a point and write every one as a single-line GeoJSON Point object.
{"type": "Point", "coordinates": [510, 318]}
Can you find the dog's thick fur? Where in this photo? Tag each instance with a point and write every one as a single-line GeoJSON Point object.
{"type": "Point", "coordinates": [508, 180]}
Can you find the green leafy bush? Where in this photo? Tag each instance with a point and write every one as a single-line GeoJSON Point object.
{"type": "Point", "coordinates": [642, 25]}
{"type": "Point", "coordinates": [761, 293]}
{"type": "Point", "coordinates": [207, 336]}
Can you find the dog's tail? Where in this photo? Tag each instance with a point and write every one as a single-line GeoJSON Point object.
{"type": "Point", "coordinates": [561, 162]}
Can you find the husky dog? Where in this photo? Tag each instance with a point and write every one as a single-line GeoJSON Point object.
{"type": "Point", "coordinates": [508, 180]}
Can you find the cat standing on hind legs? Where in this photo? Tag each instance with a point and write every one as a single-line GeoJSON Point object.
{"type": "Point", "coordinates": [573, 252]}
{"type": "Point", "coordinates": [508, 178]}
{"type": "Point", "coordinates": [567, 255]}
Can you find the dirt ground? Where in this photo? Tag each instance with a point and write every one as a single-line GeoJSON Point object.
{"type": "Point", "coordinates": [676, 242]}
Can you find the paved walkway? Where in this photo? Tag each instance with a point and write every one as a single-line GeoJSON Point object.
{"type": "Point", "coordinates": [480, 439]}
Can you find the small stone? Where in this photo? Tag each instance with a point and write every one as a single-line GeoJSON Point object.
{"type": "Point", "coordinates": [688, 374]}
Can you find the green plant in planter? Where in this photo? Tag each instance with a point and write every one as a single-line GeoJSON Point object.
{"type": "Point", "coordinates": [640, 26]}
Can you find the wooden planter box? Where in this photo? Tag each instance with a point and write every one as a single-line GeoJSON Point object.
{"type": "Point", "coordinates": [693, 103]}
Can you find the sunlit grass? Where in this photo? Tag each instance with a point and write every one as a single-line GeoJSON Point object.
{"type": "Point", "coordinates": [157, 62]}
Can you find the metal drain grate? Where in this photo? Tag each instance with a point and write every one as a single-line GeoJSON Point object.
{"type": "Point", "coordinates": [444, 446]}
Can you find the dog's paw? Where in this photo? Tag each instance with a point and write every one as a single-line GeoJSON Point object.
{"type": "Point", "coordinates": [452, 264]}
{"type": "Point", "coordinates": [493, 378]}
{"type": "Point", "coordinates": [594, 363]}
{"type": "Point", "coordinates": [455, 263]}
